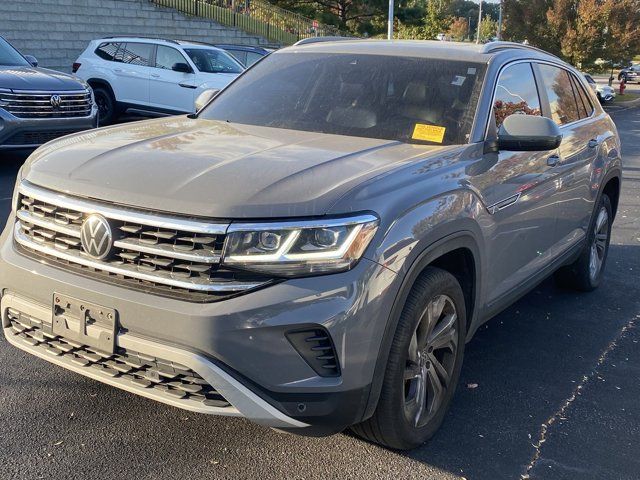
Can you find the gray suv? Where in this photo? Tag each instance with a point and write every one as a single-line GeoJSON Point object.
{"type": "Point", "coordinates": [313, 248]}
{"type": "Point", "coordinates": [37, 104]}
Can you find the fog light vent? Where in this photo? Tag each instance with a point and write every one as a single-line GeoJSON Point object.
{"type": "Point", "coordinates": [316, 347]}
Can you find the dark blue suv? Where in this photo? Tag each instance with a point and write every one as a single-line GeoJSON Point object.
{"type": "Point", "coordinates": [37, 104]}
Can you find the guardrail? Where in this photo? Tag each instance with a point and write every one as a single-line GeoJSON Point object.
{"type": "Point", "coordinates": [256, 17]}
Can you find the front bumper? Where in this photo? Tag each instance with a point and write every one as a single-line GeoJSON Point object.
{"type": "Point", "coordinates": [239, 345]}
{"type": "Point", "coordinates": [29, 133]}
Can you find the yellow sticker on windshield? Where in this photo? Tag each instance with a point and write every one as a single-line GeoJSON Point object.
{"type": "Point", "coordinates": [428, 133]}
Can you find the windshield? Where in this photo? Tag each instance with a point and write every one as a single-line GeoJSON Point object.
{"type": "Point", "coordinates": [9, 56]}
{"type": "Point", "coordinates": [209, 60]}
{"type": "Point", "coordinates": [413, 100]}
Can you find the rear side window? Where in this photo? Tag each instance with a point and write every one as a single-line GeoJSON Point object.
{"type": "Point", "coordinates": [135, 53]}
{"type": "Point", "coordinates": [584, 105]}
{"type": "Point", "coordinates": [107, 51]}
{"type": "Point", "coordinates": [167, 57]}
{"type": "Point", "coordinates": [516, 92]}
{"type": "Point", "coordinates": [558, 85]}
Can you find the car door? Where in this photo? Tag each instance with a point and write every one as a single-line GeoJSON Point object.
{"type": "Point", "coordinates": [573, 111]}
{"type": "Point", "coordinates": [132, 72]}
{"type": "Point", "coordinates": [518, 190]}
{"type": "Point", "coordinates": [172, 91]}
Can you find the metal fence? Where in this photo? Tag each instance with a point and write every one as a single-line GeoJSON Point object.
{"type": "Point", "coordinates": [257, 17]}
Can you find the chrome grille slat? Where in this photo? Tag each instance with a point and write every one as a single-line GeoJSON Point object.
{"type": "Point", "coordinates": [27, 104]}
{"type": "Point", "coordinates": [162, 251]}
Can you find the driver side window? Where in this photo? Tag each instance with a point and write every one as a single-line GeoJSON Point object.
{"type": "Point", "coordinates": [516, 92]}
{"type": "Point", "coordinates": [167, 57]}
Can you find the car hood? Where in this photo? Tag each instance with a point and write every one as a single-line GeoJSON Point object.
{"type": "Point", "coordinates": [32, 78]}
{"type": "Point", "coordinates": [215, 169]}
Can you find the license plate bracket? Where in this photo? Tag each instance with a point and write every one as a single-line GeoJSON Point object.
{"type": "Point", "coordinates": [84, 322]}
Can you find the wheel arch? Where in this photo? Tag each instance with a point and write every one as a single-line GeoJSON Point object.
{"type": "Point", "coordinates": [457, 253]}
{"type": "Point", "coordinates": [101, 82]}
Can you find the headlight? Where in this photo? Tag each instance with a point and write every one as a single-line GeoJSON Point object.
{"type": "Point", "coordinates": [14, 199]}
{"type": "Point", "coordinates": [292, 249]}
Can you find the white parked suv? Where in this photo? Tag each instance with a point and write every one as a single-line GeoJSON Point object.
{"type": "Point", "coordinates": [152, 76]}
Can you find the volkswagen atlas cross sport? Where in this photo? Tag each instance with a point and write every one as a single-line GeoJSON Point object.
{"type": "Point", "coordinates": [314, 247]}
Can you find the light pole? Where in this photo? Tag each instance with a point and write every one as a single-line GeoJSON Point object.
{"type": "Point", "coordinates": [500, 22]}
{"type": "Point", "coordinates": [390, 24]}
{"type": "Point", "coordinates": [479, 22]}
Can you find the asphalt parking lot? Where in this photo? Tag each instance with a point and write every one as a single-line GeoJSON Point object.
{"type": "Point", "coordinates": [549, 390]}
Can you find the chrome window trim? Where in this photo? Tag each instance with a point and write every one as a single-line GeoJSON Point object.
{"type": "Point", "coordinates": [123, 214]}
{"type": "Point", "coordinates": [78, 259]}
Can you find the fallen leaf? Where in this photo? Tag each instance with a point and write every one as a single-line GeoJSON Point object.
{"type": "Point", "coordinates": [472, 385]}
{"type": "Point", "coordinates": [60, 442]}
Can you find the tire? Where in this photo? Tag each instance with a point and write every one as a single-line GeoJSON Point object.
{"type": "Point", "coordinates": [107, 107]}
{"type": "Point", "coordinates": [585, 274]}
{"type": "Point", "coordinates": [406, 415]}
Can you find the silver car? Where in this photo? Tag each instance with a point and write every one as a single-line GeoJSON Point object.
{"type": "Point", "coordinates": [314, 247]}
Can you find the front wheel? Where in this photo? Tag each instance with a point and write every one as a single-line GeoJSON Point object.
{"type": "Point", "coordinates": [424, 364]}
{"type": "Point", "coordinates": [107, 111]}
{"type": "Point", "coordinates": [586, 272]}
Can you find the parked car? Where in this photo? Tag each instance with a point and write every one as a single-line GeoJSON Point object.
{"type": "Point", "coordinates": [605, 93]}
{"type": "Point", "coordinates": [152, 76]}
{"type": "Point", "coordinates": [247, 55]}
{"type": "Point", "coordinates": [37, 104]}
{"type": "Point", "coordinates": [630, 74]}
{"type": "Point", "coordinates": [314, 247]}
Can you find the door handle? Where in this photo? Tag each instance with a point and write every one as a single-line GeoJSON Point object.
{"type": "Point", "coordinates": [593, 143]}
{"type": "Point", "coordinates": [117, 70]}
{"type": "Point", "coordinates": [186, 85]}
{"type": "Point", "coordinates": [155, 75]}
{"type": "Point", "coordinates": [553, 160]}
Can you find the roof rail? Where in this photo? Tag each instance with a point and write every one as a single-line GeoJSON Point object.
{"type": "Point", "coordinates": [500, 45]}
{"type": "Point", "coordinates": [307, 41]}
{"type": "Point", "coordinates": [142, 38]}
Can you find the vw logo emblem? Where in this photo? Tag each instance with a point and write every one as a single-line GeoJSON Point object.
{"type": "Point", "coordinates": [96, 237]}
{"type": "Point", "coordinates": [55, 100]}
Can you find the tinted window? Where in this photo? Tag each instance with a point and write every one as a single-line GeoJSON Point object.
{"type": "Point", "coordinates": [584, 105]}
{"type": "Point", "coordinates": [135, 53]}
{"type": "Point", "coordinates": [413, 100]}
{"type": "Point", "coordinates": [239, 55]}
{"type": "Point", "coordinates": [107, 51]}
{"type": "Point", "coordinates": [213, 61]}
{"type": "Point", "coordinates": [9, 56]}
{"type": "Point", "coordinates": [557, 83]}
{"type": "Point", "coordinates": [516, 92]}
{"type": "Point", "coordinates": [167, 57]}
{"type": "Point", "coordinates": [252, 58]}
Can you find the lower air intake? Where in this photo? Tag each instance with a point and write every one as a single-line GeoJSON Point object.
{"type": "Point", "coordinates": [316, 347]}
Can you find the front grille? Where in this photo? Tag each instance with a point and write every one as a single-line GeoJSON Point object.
{"type": "Point", "coordinates": [32, 104]}
{"type": "Point", "coordinates": [36, 138]}
{"type": "Point", "coordinates": [164, 255]}
{"type": "Point", "coordinates": [177, 382]}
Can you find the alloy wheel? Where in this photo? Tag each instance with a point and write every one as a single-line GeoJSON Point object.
{"type": "Point", "coordinates": [599, 244]}
{"type": "Point", "coordinates": [431, 360]}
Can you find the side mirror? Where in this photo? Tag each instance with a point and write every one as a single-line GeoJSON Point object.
{"type": "Point", "coordinates": [205, 97]}
{"type": "Point", "coordinates": [528, 133]}
{"type": "Point", "coordinates": [181, 67]}
{"type": "Point", "coordinates": [32, 60]}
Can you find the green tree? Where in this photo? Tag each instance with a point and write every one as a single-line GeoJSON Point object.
{"type": "Point", "coordinates": [488, 28]}
{"type": "Point", "coordinates": [437, 19]}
